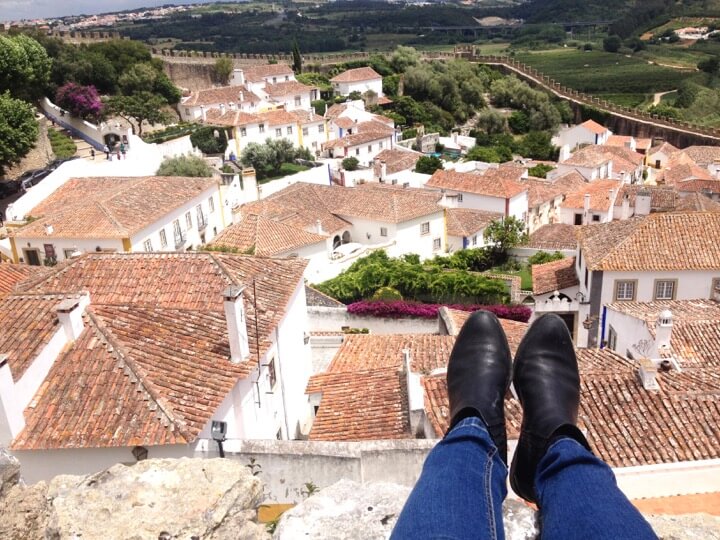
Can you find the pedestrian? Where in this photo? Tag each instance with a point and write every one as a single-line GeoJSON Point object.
{"type": "Point", "coordinates": [107, 152]}
{"type": "Point", "coordinates": [118, 154]}
{"type": "Point", "coordinates": [122, 150]}
{"type": "Point", "coordinates": [92, 154]}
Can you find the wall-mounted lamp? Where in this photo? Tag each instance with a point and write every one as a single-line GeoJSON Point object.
{"type": "Point", "coordinates": [218, 430]}
{"type": "Point", "coordinates": [580, 297]}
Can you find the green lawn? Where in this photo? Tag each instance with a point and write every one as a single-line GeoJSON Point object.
{"type": "Point", "coordinates": [285, 170]}
{"type": "Point", "coordinates": [525, 276]}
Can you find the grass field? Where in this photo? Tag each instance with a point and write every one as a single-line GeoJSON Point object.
{"type": "Point", "coordinates": [598, 72]}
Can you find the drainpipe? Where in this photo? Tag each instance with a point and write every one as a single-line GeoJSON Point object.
{"type": "Point", "coordinates": [602, 327]}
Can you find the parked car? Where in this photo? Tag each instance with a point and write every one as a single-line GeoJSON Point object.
{"type": "Point", "coordinates": [32, 178]}
{"type": "Point", "coordinates": [9, 187]}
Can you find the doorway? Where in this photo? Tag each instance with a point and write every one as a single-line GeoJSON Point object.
{"type": "Point", "coordinates": [32, 256]}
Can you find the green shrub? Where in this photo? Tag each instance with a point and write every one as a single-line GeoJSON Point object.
{"type": "Point", "coordinates": [207, 142]}
{"type": "Point", "coordinates": [62, 145]}
{"type": "Point", "coordinates": [387, 293]}
{"type": "Point", "coordinates": [542, 257]}
{"type": "Point", "coordinates": [350, 164]}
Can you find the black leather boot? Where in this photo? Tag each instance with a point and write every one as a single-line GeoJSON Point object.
{"type": "Point", "coordinates": [547, 383]}
{"type": "Point", "coordinates": [478, 376]}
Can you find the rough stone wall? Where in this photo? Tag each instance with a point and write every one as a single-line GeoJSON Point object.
{"type": "Point", "coordinates": [190, 75]}
{"type": "Point", "coordinates": [38, 157]}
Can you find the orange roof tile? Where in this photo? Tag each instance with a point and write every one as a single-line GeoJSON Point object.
{"type": "Point", "coordinates": [661, 241]}
{"type": "Point", "coordinates": [396, 160]}
{"type": "Point", "coordinates": [599, 192]}
{"type": "Point", "coordinates": [554, 236]}
{"type": "Point", "coordinates": [466, 221]}
{"type": "Point", "coordinates": [224, 95]}
{"type": "Point", "coordinates": [702, 155]}
{"type": "Point", "coordinates": [259, 73]}
{"type": "Point", "coordinates": [356, 75]}
{"type": "Point", "coordinates": [593, 126]}
{"type": "Point", "coordinates": [503, 182]}
{"type": "Point", "coordinates": [662, 198]}
{"type": "Point", "coordinates": [362, 137]}
{"type": "Point", "coordinates": [230, 118]}
{"type": "Point", "coordinates": [554, 276]}
{"type": "Point", "coordinates": [286, 88]}
{"type": "Point", "coordinates": [12, 274]}
{"type": "Point", "coordinates": [696, 202]}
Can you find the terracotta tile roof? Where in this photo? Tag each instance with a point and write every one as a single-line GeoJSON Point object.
{"type": "Point", "coordinates": [230, 118]}
{"type": "Point", "coordinates": [224, 95]}
{"type": "Point", "coordinates": [554, 236]}
{"type": "Point", "coordinates": [683, 311]}
{"type": "Point", "coordinates": [151, 366]}
{"type": "Point", "coordinates": [679, 171]}
{"type": "Point", "coordinates": [624, 160]}
{"type": "Point", "coordinates": [599, 192]}
{"type": "Point", "coordinates": [259, 73]}
{"type": "Point", "coordinates": [381, 203]}
{"type": "Point", "coordinates": [662, 198]}
{"type": "Point", "coordinates": [375, 125]}
{"type": "Point", "coordinates": [278, 117]}
{"type": "Point", "coordinates": [593, 126]}
{"type": "Point", "coordinates": [554, 276]}
{"type": "Point", "coordinates": [541, 191]}
{"type": "Point", "coordinates": [344, 122]}
{"type": "Point", "coordinates": [356, 75]}
{"type": "Point", "coordinates": [111, 207]}
{"type": "Point", "coordinates": [502, 182]}
{"type": "Point", "coordinates": [665, 147]}
{"type": "Point", "coordinates": [591, 156]}
{"type": "Point", "coordinates": [286, 88]}
{"type": "Point", "coordinates": [397, 160]}
{"type": "Point", "coordinates": [313, 297]}
{"type": "Point", "coordinates": [641, 144]}
{"type": "Point", "coordinates": [335, 110]}
{"type": "Point", "coordinates": [662, 241]}
{"type": "Point", "coordinates": [28, 322]}
{"type": "Point", "coordinates": [466, 221]}
{"type": "Point", "coordinates": [696, 202]}
{"type": "Point", "coordinates": [702, 155]}
{"type": "Point", "coordinates": [265, 236]}
{"type": "Point", "coordinates": [12, 274]}
{"type": "Point", "coordinates": [362, 137]}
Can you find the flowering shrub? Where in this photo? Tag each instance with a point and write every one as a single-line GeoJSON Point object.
{"type": "Point", "coordinates": [82, 101]}
{"type": "Point", "coordinates": [399, 308]}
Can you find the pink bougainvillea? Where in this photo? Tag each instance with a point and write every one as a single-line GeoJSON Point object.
{"type": "Point", "coordinates": [78, 100]}
{"type": "Point", "coordinates": [398, 308]}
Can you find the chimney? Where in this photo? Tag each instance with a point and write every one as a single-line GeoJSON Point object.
{"type": "Point", "coordinates": [12, 421]}
{"type": "Point", "coordinates": [663, 330]}
{"type": "Point", "coordinates": [49, 229]}
{"type": "Point", "coordinates": [222, 109]}
{"type": "Point", "coordinates": [203, 113]}
{"type": "Point", "coordinates": [236, 323]}
{"type": "Point", "coordinates": [611, 207]}
{"type": "Point", "coordinates": [625, 208]}
{"type": "Point", "coordinates": [69, 313]}
{"type": "Point", "coordinates": [318, 226]}
{"type": "Point", "coordinates": [231, 106]}
{"type": "Point", "coordinates": [416, 399]}
{"type": "Point", "coordinates": [648, 374]}
{"type": "Point", "coordinates": [383, 170]}
{"type": "Point", "coordinates": [643, 202]}
{"type": "Point", "coordinates": [586, 209]}
{"type": "Point", "coordinates": [241, 95]}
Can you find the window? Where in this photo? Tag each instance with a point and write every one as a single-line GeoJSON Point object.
{"type": "Point", "coordinates": [437, 244]}
{"type": "Point", "coordinates": [578, 219]}
{"type": "Point", "coordinates": [147, 245]}
{"type": "Point", "coordinates": [321, 129]}
{"type": "Point", "coordinates": [381, 145]}
{"type": "Point", "coordinates": [187, 113]}
{"type": "Point", "coordinates": [261, 128]}
{"type": "Point", "coordinates": [243, 132]}
{"type": "Point", "coordinates": [278, 132]}
{"type": "Point", "coordinates": [163, 238]}
{"type": "Point", "coordinates": [287, 78]}
{"type": "Point", "coordinates": [383, 231]}
{"type": "Point", "coordinates": [715, 287]}
{"type": "Point", "coordinates": [211, 204]}
{"type": "Point", "coordinates": [272, 376]}
{"type": "Point", "coordinates": [579, 260]}
{"type": "Point", "coordinates": [625, 290]}
{"type": "Point", "coordinates": [274, 80]}
{"type": "Point", "coordinates": [357, 151]}
{"type": "Point", "coordinates": [587, 274]}
{"type": "Point", "coordinates": [305, 132]}
{"type": "Point", "coordinates": [596, 218]}
{"type": "Point", "coordinates": [425, 228]}
{"type": "Point", "coordinates": [474, 240]}
{"type": "Point", "coordinates": [612, 339]}
{"type": "Point", "coordinates": [369, 148]}
{"type": "Point", "coordinates": [68, 253]}
{"type": "Point", "coordinates": [665, 289]}
{"type": "Point", "coordinates": [297, 101]}
{"type": "Point", "coordinates": [289, 130]}
{"type": "Point", "coordinates": [188, 220]}
{"type": "Point", "coordinates": [459, 197]}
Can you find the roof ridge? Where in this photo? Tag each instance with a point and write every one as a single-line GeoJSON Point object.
{"type": "Point", "coordinates": [139, 373]}
{"type": "Point", "coordinates": [121, 228]}
{"type": "Point", "coordinates": [223, 269]}
{"type": "Point", "coordinates": [622, 242]}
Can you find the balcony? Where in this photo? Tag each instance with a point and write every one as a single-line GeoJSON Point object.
{"type": "Point", "coordinates": [180, 239]}
{"type": "Point", "coordinates": [202, 222]}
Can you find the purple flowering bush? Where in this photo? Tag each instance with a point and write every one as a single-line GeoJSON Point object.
{"type": "Point", "coordinates": [78, 100]}
{"type": "Point", "coordinates": [399, 308]}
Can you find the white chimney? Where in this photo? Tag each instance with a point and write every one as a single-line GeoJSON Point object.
{"type": "Point", "coordinates": [643, 202]}
{"type": "Point", "coordinates": [49, 229]}
{"type": "Point", "coordinates": [69, 313]}
{"type": "Point", "coordinates": [416, 399]}
{"type": "Point", "coordinates": [12, 421]}
{"type": "Point", "coordinates": [383, 170]}
{"type": "Point", "coordinates": [222, 109]}
{"type": "Point", "coordinates": [648, 374]}
{"type": "Point", "coordinates": [625, 214]}
{"type": "Point", "coordinates": [586, 209]}
{"type": "Point", "coordinates": [231, 106]}
{"type": "Point", "coordinates": [611, 207]}
{"type": "Point", "coordinates": [236, 323]}
{"type": "Point", "coordinates": [318, 226]}
{"type": "Point", "coordinates": [203, 113]}
{"type": "Point", "coordinates": [663, 330]}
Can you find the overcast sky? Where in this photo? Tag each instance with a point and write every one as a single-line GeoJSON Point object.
{"type": "Point", "coordinates": [11, 10]}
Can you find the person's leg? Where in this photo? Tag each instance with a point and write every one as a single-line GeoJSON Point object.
{"type": "Point", "coordinates": [460, 492]}
{"type": "Point", "coordinates": [579, 498]}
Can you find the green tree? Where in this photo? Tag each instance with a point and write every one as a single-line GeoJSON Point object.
{"type": "Point", "coordinates": [297, 58]}
{"type": "Point", "coordinates": [223, 69]}
{"type": "Point", "coordinates": [612, 44]}
{"type": "Point", "coordinates": [209, 140]}
{"type": "Point", "coordinates": [138, 108]}
{"type": "Point", "coordinates": [489, 154]}
{"type": "Point", "coordinates": [542, 257]}
{"type": "Point", "coordinates": [540, 170]}
{"type": "Point", "coordinates": [18, 129]}
{"type": "Point", "coordinates": [268, 158]}
{"type": "Point", "coordinates": [538, 145]}
{"type": "Point", "coordinates": [184, 166]}
{"type": "Point", "coordinates": [403, 58]}
{"type": "Point", "coordinates": [24, 67]}
{"type": "Point", "coordinates": [145, 77]}
{"type": "Point", "coordinates": [710, 65]}
{"type": "Point", "coordinates": [428, 164]}
{"type": "Point", "coordinates": [350, 163]}
{"type": "Point", "coordinates": [492, 122]}
{"type": "Point", "coordinates": [519, 122]}
{"type": "Point", "coordinates": [503, 234]}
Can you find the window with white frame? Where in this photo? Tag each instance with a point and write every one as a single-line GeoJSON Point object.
{"type": "Point", "coordinates": [625, 290]}
{"type": "Point", "coordinates": [383, 231]}
{"type": "Point", "coordinates": [382, 145]}
{"type": "Point", "coordinates": [437, 244]}
{"type": "Point", "coordinates": [357, 151]}
{"type": "Point", "coordinates": [665, 289]}
{"type": "Point", "coordinates": [321, 129]}
{"type": "Point", "coordinates": [612, 339]}
{"type": "Point", "coordinates": [289, 130]}
{"type": "Point", "coordinates": [278, 132]}
{"type": "Point", "coordinates": [272, 376]}
{"type": "Point", "coordinates": [163, 238]}
{"type": "Point", "coordinates": [211, 204]}
{"type": "Point", "coordinates": [243, 132]}
{"type": "Point", "coordinates": [305, 132]}
{"type": "Point", "coordinates": [369, 148]}
{"type": "Point", "coordinates": [715, 287]}
{"type": "Point", "coordinates": [188, 220]}
{"type": "Point", "coordinates": [474, 240]}
{"type": "Point", "coordinates": [425, 228]}
{"type": "Point", "coordinates": [147, 245]}
{"type": "Point", "coordinates": [261, 128]}
{"type": "Point", "coordinates": [298, 101]}
{"type": "Point", "coordinates": [68, 253]}
{"type": "Point", "coordinates": [459, 197]}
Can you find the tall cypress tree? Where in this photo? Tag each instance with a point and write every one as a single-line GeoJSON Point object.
{"type": "Point", "coordinates": [297, 59]}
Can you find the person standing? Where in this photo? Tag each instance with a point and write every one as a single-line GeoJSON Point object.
{"type": "Point", "coordinates": [107, 152]}
{"type": "Point", "coordinates": [122, 150]}
{"type": "Point", "coordinates": [92, 154]}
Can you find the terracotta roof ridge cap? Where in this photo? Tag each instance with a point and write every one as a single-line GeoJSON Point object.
{"type": "Point", "coordinates": [105, 210]}
{"type": "Point", "coordinates": [224, 269]}
{"type": "Point", "coordinates": [636, 223]}
{"type": "Point", "coordinates": [139, 373]}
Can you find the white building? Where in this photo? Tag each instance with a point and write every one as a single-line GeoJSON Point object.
{"type": "Point", "coordinates": [589, 132]}
{"type": "Point", "coordinates": [88, 215]}
{"type": "Point", "coordinates": [357, 80]}
{"type": "Point", "coordinates": [256, 77]}
{"type": "Point", "coordinates": [289, 95]}
{"type": "Point", "coordinates": [546, 196]}
{"type": "Point", "coordinates": [466, 227]}
{"type": "Point", "coordinates": [659, 155]}
{"type": "Point", "coordinates": [152, 355]}
{"type": "Point", "coordinates": [239, 98]}
{"type": "Point", "coordinates": [363, 141]}
{"type": "Point", "coordinates": [343, 118]}
{"type": "Point", "coordinates": [593, 202]}
{"type": "Point", "coordinates": [496, 189]}
{"type": "Point", "coordinates": [331, 226]}
{"type": "Point", "coordinates": [662, 256]}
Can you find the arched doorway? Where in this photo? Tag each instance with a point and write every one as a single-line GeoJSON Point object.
{"type": "Point", "coordinates": [336, 242]}
{"type": "Point", "coordinates": [346, 237]}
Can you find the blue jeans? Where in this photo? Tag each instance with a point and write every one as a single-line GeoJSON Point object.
{"type": "Point", "coordinates": [460, 492]}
